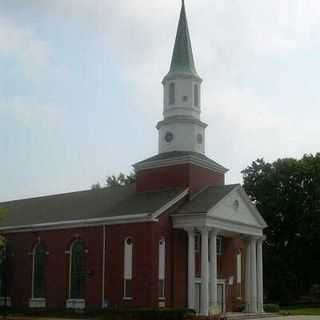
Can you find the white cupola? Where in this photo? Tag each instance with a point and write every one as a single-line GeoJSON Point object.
{"type": "Point", "coordinates": [181, 128]}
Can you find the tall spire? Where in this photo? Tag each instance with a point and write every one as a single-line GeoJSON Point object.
{"type": "Point", "coordinates": [182, 62]}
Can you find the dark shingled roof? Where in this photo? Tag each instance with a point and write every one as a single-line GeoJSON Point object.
{"type": "Point", "coordinates": [178, 154]}
{"type": "Point", "coordinates": [204, 200]}
{"type": "Point", "coordinates": [100, 203]}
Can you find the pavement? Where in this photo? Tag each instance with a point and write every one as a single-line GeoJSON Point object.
{"type": "Point", "coordinates": [294, 318]}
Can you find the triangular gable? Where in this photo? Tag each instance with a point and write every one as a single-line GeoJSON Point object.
{"type": "Point", "coordinates": [236, 207]}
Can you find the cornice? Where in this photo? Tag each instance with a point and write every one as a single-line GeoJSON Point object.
{"type": "Point", "coordinates": [188, 159]}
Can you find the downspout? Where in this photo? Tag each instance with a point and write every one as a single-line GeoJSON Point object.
{"type": "Point", "coordinates": [103, 265]}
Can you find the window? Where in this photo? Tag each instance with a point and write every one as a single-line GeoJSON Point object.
{"type": "Point", "coordinates": [128, 248]}
{"type": "Point", "coordinates": [219, 245]}
{"type": "Point", "coordinates": [197, 242]}
{"type": "Point", "coordinates": [239, 258]}
{"type": "Point", "coordinates": [78, 270]}
{"type": "Point", "coordinates": [162, 267]}
{"type": "Point", "coordinates": [172, 93]}
{"type": "Point", "coordinates": [5, 271]}
{"type": "Point", "coordinates": [39, 271]}
{"type": "Point", "coordinates": [196, 95]}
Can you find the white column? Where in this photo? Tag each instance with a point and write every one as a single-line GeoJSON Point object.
{"type": "Point", "coordinates": [191, 269]}
{"type": "Point", "coordinates": [204, 272]}
{"type": "Point", "coordinates": [213, 268]}
{"type": "Point", "coordinates": [253, 270]}
{"type": "Point", "coordinates": [259, 276]}
{"type": "Point", "coordinates": [247, 277]}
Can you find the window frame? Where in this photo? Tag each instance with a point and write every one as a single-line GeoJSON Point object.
{"type": "Point", "coordinates": [38, 246]}
{"type": "Point", "coordinates": [197, 242]}
{"type": "Point", "coordinates": [71, 253]}
{"type": "Point", "coordinates": [172, 94]}
{"type": "Point", "coordinates": [162, 268]}
{"type": "Point", "coordinates": [128, 273]}
{"type": "Point", "coordinates": [196, 95]}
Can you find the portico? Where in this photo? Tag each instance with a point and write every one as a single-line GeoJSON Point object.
{"type": "Point", "coordinates": [231, 216]}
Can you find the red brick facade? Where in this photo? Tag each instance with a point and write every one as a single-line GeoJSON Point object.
{"type": "Point", "coordinates": [184, 175]}
{"type": "Point", "coordinates": [145, 236]}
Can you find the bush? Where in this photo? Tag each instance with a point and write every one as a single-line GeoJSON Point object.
{"type": "Point", "coordinates": [146, 314]}
{"type": "Point", "coordinates": [272, 308]}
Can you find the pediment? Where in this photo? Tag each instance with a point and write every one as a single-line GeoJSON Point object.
{"type": "Point", "coordinates": [236, 207]}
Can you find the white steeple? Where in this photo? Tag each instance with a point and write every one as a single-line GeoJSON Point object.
{"type": "Point", "coordinates": [181, 129]}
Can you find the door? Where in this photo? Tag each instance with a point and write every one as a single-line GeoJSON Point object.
{"type": "Point", "coordinates": [221, 296]}
{"type": "Point", "coordinates": [197, 297]}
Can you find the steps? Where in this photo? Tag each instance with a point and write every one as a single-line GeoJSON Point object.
{"type": "Point", "coordinates": [245, 316]}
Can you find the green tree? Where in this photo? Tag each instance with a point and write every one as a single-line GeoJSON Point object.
{"type": "Point", "coordinates": [120, 180]}
{"type": "Point", "coordinates": [3, 212]}
{"type": "Point", "coordinates": [287, 193]}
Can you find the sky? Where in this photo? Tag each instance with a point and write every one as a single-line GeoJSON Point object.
{"type": "Point", "coordinates": [81, 93]}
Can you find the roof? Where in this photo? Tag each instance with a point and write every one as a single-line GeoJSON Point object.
{"type": "Point", "coordinates": [207, 198]}
{"type": "Point", "coordinates": [82, 205]}
{"type": "Point", "coordinates": [182, 62]}
{"type": "Point", "coordinates": [161, 157]}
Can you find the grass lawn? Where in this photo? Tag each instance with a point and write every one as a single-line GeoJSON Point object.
{"type": "Point", "coordinates": [296, 311]}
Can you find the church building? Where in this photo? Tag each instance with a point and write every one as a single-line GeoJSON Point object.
{"type": "Point", "coordinates": [179, 237]}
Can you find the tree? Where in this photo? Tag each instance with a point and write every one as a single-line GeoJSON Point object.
{"type": "Point", "coordinates": [3, 212]}
{"type": "Point", "coordinates": [119, 180]}
{"type": "Point", "coordinates": [287, 193]}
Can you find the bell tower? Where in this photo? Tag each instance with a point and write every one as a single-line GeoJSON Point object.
{"type": "Point", "coordinates": [181, 160]}
{"type": "Point", "coordinates": [181, 128]}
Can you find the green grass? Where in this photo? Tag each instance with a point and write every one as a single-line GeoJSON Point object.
{"type": "Point", "coordinates": [298, 311]}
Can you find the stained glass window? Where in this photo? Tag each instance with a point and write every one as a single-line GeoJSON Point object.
{"type": "Point", "coordinates": [78, 270]}
{"type": "Point", "coordinates": [39, 271]}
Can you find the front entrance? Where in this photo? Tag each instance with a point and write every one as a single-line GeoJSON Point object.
{"type": "Point", "coordinates": [197, 296]}
{"type": "Point", "coordinates": [221, 292]}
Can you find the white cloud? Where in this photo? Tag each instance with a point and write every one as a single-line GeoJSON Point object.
{"type": "Point", "coordinates": [227, 36]}
{"type": "Point", "coordinates": [22, 45]}
{"type": "Point", "coordinates": [30, 113]}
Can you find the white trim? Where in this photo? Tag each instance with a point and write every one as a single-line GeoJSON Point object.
{"type": "Point", "coordinates": [223, 282]}
{"type": "Point", "coordinates": [162, 267]}
{"type": "Point", "coordinates": [252, 207]}
{"type": "Point", "coordinates": [127, 265]}
{"type": "Point", "coordinates": [198, 220]}
{"type": "Point", "coordinates": [92, 222]}
{"type": "Point", "coordinates": [180, 160]}
{"type": "Point", "coordinates": [79, 304]}
{"type": "Point", "coordinates": [37, 303]}
{"type": "Point", "coordinates": [247, 201]}
{"type": "Point", "coordinates": [138, 218]}
{"type": "Point", "coordinates": [169, 204]}
{"type": "Point", "coordinates": [103, 264]}
{"type": "Point", "coordinates": [5, 301]}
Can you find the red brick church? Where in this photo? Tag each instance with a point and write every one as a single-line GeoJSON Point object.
{"type": "Point", "coordinates": [178, 237]}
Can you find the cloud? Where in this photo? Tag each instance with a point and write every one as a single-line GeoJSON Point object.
{"type": "Point", "coordinates": [31, 114]}
{"type": "Point", "coordinates": [233, 40]}
{"type": "Point", "coordinates": [23, 46]}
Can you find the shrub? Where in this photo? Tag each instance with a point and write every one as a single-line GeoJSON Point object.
{"type": "Point", "coordinates": [146, 314]}
{"type": "Point", "coordinates": [273, 308]}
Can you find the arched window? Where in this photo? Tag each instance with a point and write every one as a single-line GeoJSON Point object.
{"type": "Point", "coordinates": [172, 93]}
{"type": "Point", "coordinates": [39, 271]}
{"type": "Point", "coordinates": [78, 270]}
{"type": "Point", "coordinates": [128, 251]}
{"type": "Point", "coordinates": [162, 267]}
{"type": "Point", "coordinates": [196, 95]}
{"type": "Point", "coordinates": [5, 274]}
